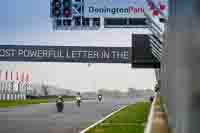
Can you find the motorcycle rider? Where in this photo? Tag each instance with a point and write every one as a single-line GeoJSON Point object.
{"type": "Point", "coordinates": [99, 97]}
{"type": "Point", "coordinates": [78, 98]}
{"type": "Point", "coordinates": [60, 103]}
{"type": "Point", "coordinates": [60, 98]}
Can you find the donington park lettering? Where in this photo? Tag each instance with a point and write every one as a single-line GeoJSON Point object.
{"type": "Point", "coordinates": [130, 9]}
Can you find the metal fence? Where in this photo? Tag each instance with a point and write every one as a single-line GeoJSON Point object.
{"type": "Point", "coordinates": [13, 90]}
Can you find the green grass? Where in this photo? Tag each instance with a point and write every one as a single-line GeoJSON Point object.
{"type": "Point", "coordinates": [118, 129]}
{"type": "Point", "coordinates": [132, 119]}
{"type": "Point", "coordinates": [5, 104]}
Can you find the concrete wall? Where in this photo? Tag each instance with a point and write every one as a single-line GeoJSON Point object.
{"type": "Point", "coordinates": [180, 75]}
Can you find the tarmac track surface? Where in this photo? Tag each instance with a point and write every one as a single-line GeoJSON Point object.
{"type": "Point", "coordinates": [44, 118]}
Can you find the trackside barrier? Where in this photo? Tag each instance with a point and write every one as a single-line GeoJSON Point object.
{"type": "Point", "coordinates": [158, 119]}
{"type": "Point", "coordinates": [150, 117]}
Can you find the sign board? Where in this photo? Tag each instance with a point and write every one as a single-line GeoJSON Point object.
{"type": "Point", "coordinates": [156, 10]}
{"type": "Point", "coordinates": [65, 54]}
{"type": "Point", "coordinates": [114, 8]}
{"type": "Point", "coordinates": [142, 56]}
{"type": "Point", "coordinates": [162, 5]}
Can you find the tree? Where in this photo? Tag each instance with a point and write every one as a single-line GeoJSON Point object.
{"type": "Point", "coordinates": [34, 93]}
{"type": "Point", "coordinates": [45, 90]}
{"type": "Point", "coordinates": [132, 91]}
{"type": "Point", "coordinates": [67, 92]}
{"type": "Point", "coordinates": [117, 93]}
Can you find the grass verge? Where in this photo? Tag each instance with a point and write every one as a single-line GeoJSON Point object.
{"type": "Point", "coordinates": [132, 119]}
{"type": "Point", "coordinates": [6, 104]}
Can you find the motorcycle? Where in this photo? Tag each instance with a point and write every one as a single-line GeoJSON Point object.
{"type": "Point", "coordinates": [99, 98]}
{"type": "Point", "coordinates": [78, 101]}
{"type": "Point", "coordinates": [59, 105]}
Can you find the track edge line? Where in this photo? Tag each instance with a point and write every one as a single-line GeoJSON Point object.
{"type": "Point", "coordinates": [103, 119]}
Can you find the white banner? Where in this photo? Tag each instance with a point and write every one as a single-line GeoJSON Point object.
{"type": "Point", "coordinates": [114, 8]}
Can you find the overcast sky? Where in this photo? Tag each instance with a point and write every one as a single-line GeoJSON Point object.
{"type": "Point", "coordinates": [27, 22]}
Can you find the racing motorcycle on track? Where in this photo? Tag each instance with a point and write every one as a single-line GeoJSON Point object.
{"type": "Point", "coordinates": [78, 101]}
{"type": "Point", "coordinates": [60, 104]}
{"type": "Point", "coordinates": [100, 97]}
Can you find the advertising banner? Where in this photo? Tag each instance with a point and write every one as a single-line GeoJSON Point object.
{"type": "Point", "coordinates": [65, 54]}
{"type": "Point", "coordinates": [161, 5]}
{"type": "Point", "coordinates": [124, 8]}
{"type": "Point", "coordinates": [114, 8]}
{"type": "Point", "coordinates": [156, 10]}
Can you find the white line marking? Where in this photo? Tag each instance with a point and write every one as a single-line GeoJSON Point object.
{"type": "Point", "coordinates": [93, 125]}
{"type": "Point", "coordinates": [122, 124]}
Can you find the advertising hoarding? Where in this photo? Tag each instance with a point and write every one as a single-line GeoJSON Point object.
{"type": "Point", "coordinates": [162, 5]}
{"type": "Point", "coordinates": [114, 8]}
{"type": "Point", "coordinates": [65, 54]}
{"type": "Point", "coordinates": [156, 10]}
{"type": "Point", "coordinates": [123, 8]}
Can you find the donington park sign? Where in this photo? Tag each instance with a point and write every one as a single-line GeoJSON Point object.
{"type": "Point", "coordinates": [114, 8]}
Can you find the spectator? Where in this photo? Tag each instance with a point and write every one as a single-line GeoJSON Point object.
{"type": "Point", "coordinates": [151, 99]}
